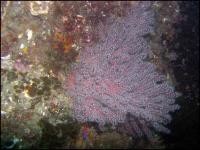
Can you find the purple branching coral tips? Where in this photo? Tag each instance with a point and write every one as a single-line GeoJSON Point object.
{"type": "Point", "coordinates": [113, 80]}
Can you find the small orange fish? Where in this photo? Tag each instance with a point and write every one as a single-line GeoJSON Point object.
{"type": "Point", "coordinates": [68, 42]}
{"type": "Point", "coordinates": [59, 37]}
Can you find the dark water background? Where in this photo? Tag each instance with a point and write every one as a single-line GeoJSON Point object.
{"type": "Point", "coordinates": [185, 126]}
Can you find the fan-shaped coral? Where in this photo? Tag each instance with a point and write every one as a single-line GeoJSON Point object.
{"type": "Point", "coordinates": [113, 79]}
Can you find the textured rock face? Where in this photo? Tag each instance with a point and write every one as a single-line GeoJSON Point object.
{"type": "Point", "coordinates": [113, 79]}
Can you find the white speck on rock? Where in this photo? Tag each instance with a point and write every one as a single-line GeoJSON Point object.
{"type": "Point", "coordinates": [22, 46]}
{"type": "Point", "coordinates": [20, 35]}
{"type": "Point", "coordinates": [39, 7]}
{"type": "Point", "coordinates": [3, 112]}
{"type": "Point", "coordinates": [6, 57]}
{"type": "Point", "coordinates": [29, 34]}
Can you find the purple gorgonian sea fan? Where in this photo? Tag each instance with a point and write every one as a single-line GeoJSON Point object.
{"type": "Point", "coordinates": [113, 81]}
